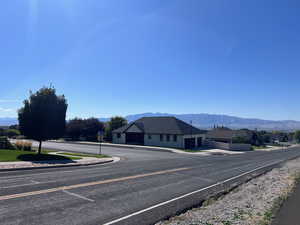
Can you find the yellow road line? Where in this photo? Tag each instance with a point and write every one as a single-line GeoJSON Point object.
{"type": "Point", "coordinates": [25, 194]}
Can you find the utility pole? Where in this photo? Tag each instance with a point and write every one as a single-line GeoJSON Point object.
{"type": "Point", "coordinates": [100, 135]}
{"type": "Point", "coordinates": [192, 132]}
{"type": "Point", "coordinates": [100, 148]}
{"type": "Point", "coordinates": [191, 128]}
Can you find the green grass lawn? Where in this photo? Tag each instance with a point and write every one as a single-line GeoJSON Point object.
{"type": "Point", "coordinates": [190, 150]}
{"type": "Point", "coordinates": [84, 155]}
{"type": "Point", "coordinates": [16, 155]}
{"type": "Point", "coordinates": [259, 147]}
{"type": "Point", "coordinates": [44, 150]}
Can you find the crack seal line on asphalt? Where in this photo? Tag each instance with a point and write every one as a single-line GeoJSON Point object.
{"type": "Point", "coordinates": [189, 194]}
{"type": "Point", "coordinates": [70, 187]}
{"type": "Point", "coordinates": [78, 196]}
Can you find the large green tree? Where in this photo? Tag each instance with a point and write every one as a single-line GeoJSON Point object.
{"type": "Point", "coordinates": [43, 116]}
{"type": "Point", "coordinates": [74, 128]}
{"type": "Point", "coordinates": [86, 128]}
{"type": "Point", "coordinates": [297, 136]}
{"type": "Point", "coordinates": [91, 128]}
{"type": "Point", "coordinates": [114, 123]}
{"type": "Point", "coordinates": [11, 133]}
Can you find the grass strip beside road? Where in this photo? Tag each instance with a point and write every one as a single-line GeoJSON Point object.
{"type": "Point", "coordinates": [17, 155]}
{"type": "Point", "coordinates": [83, 155]}
{"type": "Point", "coordinates": [191, 150]}
{"type": "Point", "coordinates": [259, 147]}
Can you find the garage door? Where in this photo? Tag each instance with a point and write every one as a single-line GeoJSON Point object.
{"type": "Point", "coordinates": [189, 143]}
{"type": "Point", "coordinates": [135, 138]}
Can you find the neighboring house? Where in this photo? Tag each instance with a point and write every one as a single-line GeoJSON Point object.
{"type": "Point", "coordinates": [226, 135]}
{"type": "Point", "coordinates": [160, 131]}
{"type": "Point", "coordinates": [225, 138]}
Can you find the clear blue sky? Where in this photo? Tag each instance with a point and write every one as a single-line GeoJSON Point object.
{"type": "Point", "coordinates": [124, 57]}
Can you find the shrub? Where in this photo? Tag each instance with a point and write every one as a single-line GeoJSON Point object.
{"type": "Point", "coordinates": [24, 145]}
{"type": "Point", "coordinates": [20, 137]}
{"type": "Point", "coordinates": [5, 144]}
{"type": "Point", "coordinates": [27, 146]}
{"type": "Point", "coordinates": [11, 133]}
{"type": "Point", "coordinates": [240, 140]}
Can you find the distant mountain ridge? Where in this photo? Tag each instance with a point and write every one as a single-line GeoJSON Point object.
{"type": "Point", "coordinates": [7, 121]}
{"type": "Point", "coordinates": [207, 121]}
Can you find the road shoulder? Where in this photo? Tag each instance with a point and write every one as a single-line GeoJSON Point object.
{"type": "Point", "coordinates": [252, 203]}
{"type": "Point", "coordinates": [289, 212]}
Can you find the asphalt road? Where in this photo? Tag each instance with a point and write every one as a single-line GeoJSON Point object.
{"type": "Point", "coordinates": [289, 212]}
{"type": "Point", "coordinates": [103, 193]}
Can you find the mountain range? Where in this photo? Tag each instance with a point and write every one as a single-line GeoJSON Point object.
{"type": "Point", "coordinates": [7, 121]}
{"type": "Point", "coordinates": [207, 121]}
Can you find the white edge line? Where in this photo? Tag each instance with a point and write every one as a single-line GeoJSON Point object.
{"type": "Point", "coordinates": [188, 194]}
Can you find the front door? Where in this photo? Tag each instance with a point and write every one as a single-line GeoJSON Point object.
{"type": "Point", "coordinates": [199, 141]}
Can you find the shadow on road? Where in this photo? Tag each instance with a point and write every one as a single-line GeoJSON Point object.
{"type": "Point", "coordinates": [45, 158]}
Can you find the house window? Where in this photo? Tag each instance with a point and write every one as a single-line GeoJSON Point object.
{"type": "Point", "coordinates": [118, 135]}
{"type": "Point", "coordinates": [161, 137]}
{"type": "Point", "coordinates": [175, 138]}
{"type": "Point", "coordinates": [149, 137]}
{"type": "Point", "coordinates": [168, 137]}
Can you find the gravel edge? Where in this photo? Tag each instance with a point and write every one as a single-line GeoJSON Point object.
{"type": "Point", "coordinates": [252, 203]}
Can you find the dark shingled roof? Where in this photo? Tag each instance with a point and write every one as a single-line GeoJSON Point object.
{"type": "Point", "coordinates": [162, 125]}
{"type": "Point", "coordinates": [226, 133]}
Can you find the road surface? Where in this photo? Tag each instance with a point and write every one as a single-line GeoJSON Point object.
{"type": "Point", "coordinates": [289, 212]}
{"type": "Point", "coordinates": [103, 193]}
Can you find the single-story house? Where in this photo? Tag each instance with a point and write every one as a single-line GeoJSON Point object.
{"type": "Point", "coordinates": [160, 131]}
{"type": "Point", "coordinates": [226, 135]}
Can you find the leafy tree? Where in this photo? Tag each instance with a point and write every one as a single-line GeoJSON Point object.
{"type": "Point", "coordinates": [241, 140]}
{"type": "Point", "coordinates": [297, 136]}
{"type": "Point", "coordinates": [1, 132]}
{"type": "Point", "coordinates": [74, 128]}
{"type": "Point", "coordinates": [250, 137]}
{"type": "Point", "coordinates": [87, 128]}
{"type": "Point", "coordinates": [11, 133]}
{"type": "Point", "coordinates": [5, 144]}
{"type": "Point", "coordinates": [114, 123]}
{"type": "Point", "coordinates": [91, 128]}
{"type": "Point", "coordinates": [257, 139]}
{"type": "Point", "coordinates": [266, 138]}
{"type": "Point", "coordinates": [43, 116]}
{"type": "Point", "coordinates": [16, 127]}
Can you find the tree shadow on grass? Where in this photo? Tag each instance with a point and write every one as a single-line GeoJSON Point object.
{"type": "Point", "coordinates": [45, 158]}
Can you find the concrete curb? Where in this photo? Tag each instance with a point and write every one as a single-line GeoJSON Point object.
{"type": "Point", "coordinates": [119, 146]}
{"type": "Point", "coordinates": [178, 205]}
{"type": "Point", "coordinates": [155, 149]}
{"type": "Point", "coordinates": [109, 160]}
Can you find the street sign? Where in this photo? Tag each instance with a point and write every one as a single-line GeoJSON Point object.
{"type": "Point", "coordinates": [100, 135]}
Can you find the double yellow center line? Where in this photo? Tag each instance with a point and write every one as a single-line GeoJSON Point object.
{"type": "Point", "coordinates": [45, 191]}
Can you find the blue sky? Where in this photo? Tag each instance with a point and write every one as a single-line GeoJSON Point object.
{"type": "Point", "coordinates": [119, 57]}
